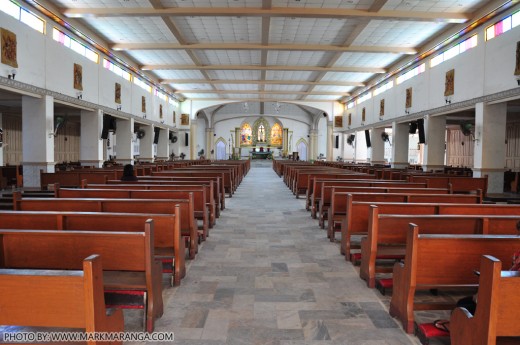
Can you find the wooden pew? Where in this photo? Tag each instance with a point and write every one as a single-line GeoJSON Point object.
{"type": "Point", "coordinates": [356, 220]}
{"type": "Point", "coordinates": [199, 199]}
{"type": "Point", "coordinates": [128, 259]}
{"type": "Point", "coordinates": [169, 246]}
{"type": "Point", "coordinates": [333, 202]}
{"type": "Point", "coordinates": [441, 261]}
{"type": "Point", "coordinates": [144, 185]}
{"type": "Point", "coordinates": [150, 206]}
{"type": "Point", "coordinates": [496, 314]}
{"type": "Point", "coordinates": [225, 179]}
{"type": "Point", "coordinates": [458, 183]}
{"type": "Point", "coordinates": [387, 233]}
{"type": "Point", "coordinates": [73, 178]}
{"type": "Point", "coordinates": [218, 189]}
{"type": "Point", "coordinates": [64, 299]}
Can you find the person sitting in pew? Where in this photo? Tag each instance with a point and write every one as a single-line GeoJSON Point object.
{"type": "Point", "coordinates": [470, 302]}
{"type": "Point", "coordinates": [128, 173]}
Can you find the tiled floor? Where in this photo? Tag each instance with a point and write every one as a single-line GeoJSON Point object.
{"type": "Point", "coordinates": [268, 275]}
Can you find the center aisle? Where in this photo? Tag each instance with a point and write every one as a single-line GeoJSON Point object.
{"type": "Point", "coordinates": [267, 275]}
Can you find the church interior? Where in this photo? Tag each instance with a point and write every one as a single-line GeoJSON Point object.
{"type": "Point", "coordinates": [295, 166]}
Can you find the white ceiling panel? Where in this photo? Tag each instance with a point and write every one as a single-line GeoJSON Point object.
{"type": "Point", "coordinates": [179, 74]}
{"type": "Point", "coordinates": [288, 88]}
{"type": "Point", "coordinates": [434, 5]}
{"type": "Point", "coordinates": [202, 95]}
{"type": "Point", "coordinates": [345, 4]}
{"type": "Point", "coordinates": [161, 57]}
{"type": "Point", "coordinates": [286, 30]}
{"type": "Point", "coordinates": [398, 34]}
{"type": "Point", "coordinates": [234, 75]}
{"type": "Point", "coordinates": [229, 57]}
{"type": "Point", "coordinates": [333, 88]}
{"type": "Point", "coordinates": [192, 87]}
{"type": "Point", "coordinates": [347, 76]}
{"type": "Point", "coordinates": [212, 3]}
{"type": "Point", "coordinates": [320, 98]}
{"type": "Point", "coordinates": [290, 75]}
{"type": "Point", "coordinates": [103, 3]}
{"type": "Point", "coordinates": [132, 29]}
{"type": "Point", "coordinates": [220, 29]}
{"type": "Point", "coordinates": [283, 97]}
{"type": "Point", "coordinates": [298, 58]}
{"type": "Point", "coordinates": [240, 87]}
{"type": "Point", "coordinates": [366, 60]}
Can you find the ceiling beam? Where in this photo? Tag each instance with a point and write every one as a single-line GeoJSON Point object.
{"type": "Point", "coordinates": [249, 46]}
{"type": "Point", "coordinates": [260, 82]}
{"type": "Point", "coordinates": [257, 92]}
{"type": "Point", "coordinates": [288, 100]}
{"type": "Point", "coordinates": [292, 12]}
{"type": "Point", "coordinates": [260, 68]}
{"type": "Point", "coordinates": [266, 27]}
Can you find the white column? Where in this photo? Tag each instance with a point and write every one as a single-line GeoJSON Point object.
{"type": "Point", "coordinates": [361, 150]}
{"type": "Point", "coordinates": [163, 147]}
{"type": "Point", "coordinates": [2, 144]}
{"type": "Point", "coordinates": [400, 139]}
{"type": "Point", "coordinates": [209, 143]}
{"type": "Point", "coordinates": [435, 146]}
{"type": "Point", "coordinates": [377, 152]}
{"type": "Point", "coordinates": [193, 139]}
{"type": "Point", "coordinates": [314, 144]}
{"type": "Point", "coordinates": [330, 141]}
{"type": "Point", "coordinates": [124, 144]}
{"type": "Point", "coordinates": [146, 144]}
{"type": "Point", "coordinates": [91, 144]}
{"type": "Point", "coordinates": [37, 138]}
{"type": "Point", "coordinates": [490, 136]}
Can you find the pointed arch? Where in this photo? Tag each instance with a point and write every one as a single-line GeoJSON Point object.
{"type": "Point", "coordinates": [303, 149]}
{"type": "Point", "coordinates": [220, 149]}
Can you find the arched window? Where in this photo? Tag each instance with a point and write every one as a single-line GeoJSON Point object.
{"type": "Point", "coordinates": [246, 133]}
{"type": "Point", "coordinates": [276, 135]}
{"type": "Point", "coordinates": [261, 134]}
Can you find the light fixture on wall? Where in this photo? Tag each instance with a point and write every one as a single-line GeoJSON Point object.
{"type": "Point", "coordinates": [79, 95]}
{"type": "Point", "coordinates": [12, 74]}
{"type": "Point", "coordinates": [516, 76]}
{"type": "Point", "coordinates": [245, 106]}
{"type": "Point", "coordinates": [277, 107]}
{"type": "Point", "coordinates": [407, 111]}
{"type": "Point", "coordinates": [119, 107]}
{"type": "Point", "coordinates": [448, 100]}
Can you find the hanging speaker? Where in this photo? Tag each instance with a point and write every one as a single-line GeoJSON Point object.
{"type": "Point", "coordinates": [420, 127]}
{"type": "Point", "coordinates": [156, 130]}
{"type": "Point", "coordinates": [186, 139]}
{"type": "Point", "coordinates": [337, 142]}
{"type": "Point", "coordinates": [367, 137]}
{"type": "Point", "coordinates": [106, 126]}
{"type": "Point", "coordinates": [412, 128]}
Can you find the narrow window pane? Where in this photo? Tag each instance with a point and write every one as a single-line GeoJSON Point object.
{"type": "Point", "coordinates": [506, 24]}
{"type": "Point", "coordinates": [490, 32]}
{"type": "Point", "coordinates": [91, 55]}
{"type": "Point", "coordinates": [10, 8]}
{"type": "Point", "coordinates": [515, 21]}
{"type": "Point", "coordinates": [77, 47]}
{"type": "Point", "coordinates": [498, 29]}
{"type": "Point", "coordinates": [32, 20]}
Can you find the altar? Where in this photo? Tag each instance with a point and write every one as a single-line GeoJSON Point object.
{"type": "Point", "coordinates": [259, 155]}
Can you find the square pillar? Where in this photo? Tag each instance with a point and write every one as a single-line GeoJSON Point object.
{"type": "Point", "coordinates": [146, 144]}
{"type": "Point", "coordinates": [435, 146]}
{"type": "Point", "coordinates": [400, 142]}
{"type": "Point", "coordinates": [490, 136]}
{"type": "Point", "coordinates": [330, 141]}
{"type": "Point", "coordinates": [91, 144]}
{"type": "Point", "coordinates": [377, 152]}
{"type": "Point", "coordinates": [125, 143]}
{"type": "Point", "coordinates": [163, 147]}
{"type": "Point", "coordinates": [37, 138]}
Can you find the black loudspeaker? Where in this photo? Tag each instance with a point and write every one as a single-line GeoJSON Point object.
{"type": "Point", "coordinates": [420, 127]}
{"type": "Point", "coordinates": [106, 126]}
{"type": "Point", "coordinates": [112, 124]}
{"type": "Point", "coordinates": [412, 127]}
{"type": "Point", "coordinates": [337, 141]}
{"type": "Point", "coordinates": [156, 131]}
{"type": "Point", "coordinates": [186, 139]}
{"type": "Point", "coordinates": [367, 138]}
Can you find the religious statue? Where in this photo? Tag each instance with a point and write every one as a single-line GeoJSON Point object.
{"type": "Point", "coordinates": [261, 133]}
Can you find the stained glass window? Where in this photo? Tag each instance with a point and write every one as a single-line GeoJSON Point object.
{"type": "Point", "coordinates": [276, 135]}
{"type": "Point", "coordinates": [246, 135]}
